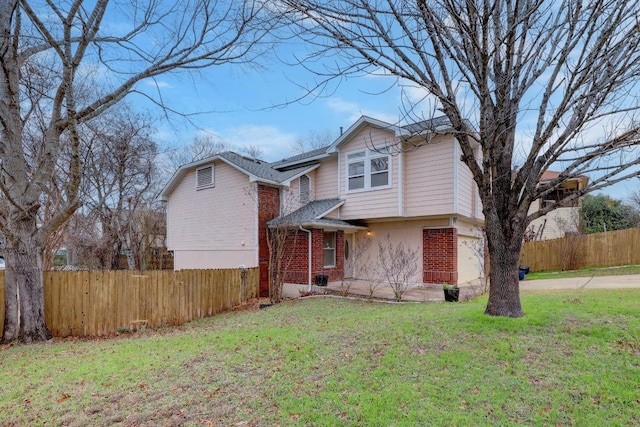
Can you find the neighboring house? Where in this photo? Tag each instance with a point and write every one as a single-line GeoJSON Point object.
{"type": "Point", "coordinates": [563, 220]}
{"type": "Point", "coordinates": [362, 187]}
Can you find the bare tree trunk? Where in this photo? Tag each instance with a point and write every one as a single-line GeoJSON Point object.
{"type": "Point", "coordinates": [504, 298]}
{"type": "Point", "coordinates": [24, 297]}
{"type": "Point", "coordinates": [43, 101]}
{"type": "Point", "coordinates": [504, 254]}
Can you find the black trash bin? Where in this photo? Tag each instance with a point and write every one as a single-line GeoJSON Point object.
{"type": "Point", "coordinates": [322, 280]}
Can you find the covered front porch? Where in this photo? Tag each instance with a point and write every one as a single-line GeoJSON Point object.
{"type": "Point", "coordinates": [420, 292]}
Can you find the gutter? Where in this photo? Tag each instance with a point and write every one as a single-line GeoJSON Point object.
{"type": "Point", "coordinates": [308, 254]}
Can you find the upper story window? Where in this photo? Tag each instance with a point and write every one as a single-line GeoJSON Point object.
{"type": "Point", "coordinates": [305, 190]}
{"type": "Point", "coordinates": [367, 170]}
{"type": "Point", "coordinates": [204, 177]}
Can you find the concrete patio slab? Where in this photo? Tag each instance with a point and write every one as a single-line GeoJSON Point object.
{"type": "Point", "coordinates": [362, 289]}
{"type": "Point", "coordinates": [434, 293]}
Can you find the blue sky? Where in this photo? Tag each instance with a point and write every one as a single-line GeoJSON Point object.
{"type": "Point", "coordinates": [245, 105]}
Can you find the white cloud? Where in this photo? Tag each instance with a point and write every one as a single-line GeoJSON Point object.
{"type": "Point", "coordinates": [352, 111]}
{"type": "Point", "coordinates": [274, 143]}
{"type": "Point", "coordinates": [161, 84]}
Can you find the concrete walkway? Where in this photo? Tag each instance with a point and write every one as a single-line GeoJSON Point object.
{"type": "Point", "coordinates": [361, 288]}
{"type": "Point", "coordinates": [434, 293]}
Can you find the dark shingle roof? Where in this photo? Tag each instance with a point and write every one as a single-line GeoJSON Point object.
{"type": "Point", "coordinates": [298, 158]}
{"type": "Point", "coordinates": [259, 168]}
{"type": "Point", "coordinates": [435, 124]}
{"type": "Point", "coordinates": [308, 213]}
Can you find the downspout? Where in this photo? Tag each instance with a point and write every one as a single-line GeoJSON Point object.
{"type": "Point", "coordinates": [456, 160]}
{"type": "Point", "coordinates": [308, 254]}
{"type": "Point", "coordinates": [400, 184]}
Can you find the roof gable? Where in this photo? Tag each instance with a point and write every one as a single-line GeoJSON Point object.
{"type": "Point", "coordinates": [313, 215]}
{"type": "Point", "coordinates": [362, 122]}
{"type": "Point", "coordinates": [255, 169]}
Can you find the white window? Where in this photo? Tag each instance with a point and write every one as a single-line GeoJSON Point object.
{"type": "Point", "coordinates": [204, 177]}
{"type": "Point", "coordinates": [304, 189]}
{"type": "Point", "coordinates": [367, 170]}
{"type": "Point", "coordinates": [329, 249]}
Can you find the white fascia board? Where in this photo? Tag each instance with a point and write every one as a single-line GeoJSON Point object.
{"type": "Point", "coordinates": [287, 182]}
{"type": "Point", "coordinates": [305, 160]}
{"type": "Point", "coordinates": [334, 227]}
{"type": "Point", "coordinates": [397, 130]}
{"type": "Point", "coordinates": [253, 178]}
{"type": "Point", "coordinates": [180, 173]}
{"type": "Point", "coordinates": [333, 208]}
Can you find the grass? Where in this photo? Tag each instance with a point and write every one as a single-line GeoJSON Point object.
{"type": "Point", "coordinates": [585, 272]}
{"type": "Point", "coordinates": [574, 359]}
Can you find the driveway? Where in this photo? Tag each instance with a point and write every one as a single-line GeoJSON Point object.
{"type": "Point", "coordinates": [603, 282]}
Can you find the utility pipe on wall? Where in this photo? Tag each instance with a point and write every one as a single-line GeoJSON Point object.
{"type": "Point", "coordinates": [308, 254]}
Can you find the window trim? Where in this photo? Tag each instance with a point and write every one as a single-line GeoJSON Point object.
{"type": "Point", "coordinates": [369, 155]}
{"type": "Point", "coordinates": [326, 248]}
{"type": "Point", "coordinates": [207, 185]}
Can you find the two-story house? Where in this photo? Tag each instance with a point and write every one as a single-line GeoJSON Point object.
{"type": "Point", "coordinates": [565, 218]}
{"type": "Point", "coordinates": [375, 180]}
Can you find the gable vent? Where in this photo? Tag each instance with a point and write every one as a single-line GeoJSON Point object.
{"type": "Point", "coordinates": [204, 177]}
{"type": "Point", "coordinates": [304, 189]}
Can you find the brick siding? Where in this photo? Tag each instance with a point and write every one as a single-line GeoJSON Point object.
{"type": "Point", "coordinates": [298, 266]}
{"type": "Point", "coordinates": [268, 208]}
{"type": "Point", "coordinates": [440, 255]}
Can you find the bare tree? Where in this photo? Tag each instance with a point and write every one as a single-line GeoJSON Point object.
{"type": "Point", "coordinates": [199, 148]}
{"type": "Point", "coordinates": [535, 83]}
{"type": "Point", "coordinates": [283, 234]}
{"type": "Point", "coordinates": [49, 50]}
{"type": "Point", "coordinates": [398, 264]}
{"type": "Point", "coordinates": [120, 183]}
{"type": "Point", "coordinates": [252, 151]}
{"type": "Point", "coordinates": [313, 140]}
{"type": "Point", "coordinates": [360, 258]}
{"type": "Point", "coordinates": [281, 241]}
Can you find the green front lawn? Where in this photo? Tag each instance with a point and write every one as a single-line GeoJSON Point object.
{"type": "Point", "coordinates": [574, 359]}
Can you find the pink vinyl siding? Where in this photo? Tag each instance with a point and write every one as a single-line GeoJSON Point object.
{"type": "Point", "coordinates": [291, 200]}
{"type": "Point", "coordinates": [466, 189]}
{"type": "Point", "coordinates": [557, 223]}
{"type": "Point", "coordinates": [470, 262]}
{"type": "Point", "coordinates": [220, 219]}
{"type": "Point", "coordinates": [429, 179]}
{"type": "Point", "coordinates": [325, 183]}
{"type": "Point", "coordinates": [371, 202]}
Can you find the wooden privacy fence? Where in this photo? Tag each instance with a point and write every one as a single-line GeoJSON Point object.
{"type": "Point", "coordinates": [85, 303]}
{"type": "Point", "coordinates": [608, 249]}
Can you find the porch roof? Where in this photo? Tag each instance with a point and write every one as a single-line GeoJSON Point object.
{"type": "Point", "coordinates": [313, 215]}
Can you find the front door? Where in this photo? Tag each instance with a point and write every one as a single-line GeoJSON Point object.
{"type": "Point", "coordinates": [348, 255]}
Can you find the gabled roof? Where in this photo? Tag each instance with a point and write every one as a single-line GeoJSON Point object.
{"type": "Point", "coordinates": [311, 211]}
{"type": "Point", "coordinates": [309, 156]}
{"type": "Point", "coordinates": [255, 169]}
{"type": "Point", "coordinates": [437, 124]}
{"type": "Point", "coordinates": [434, 125]}
{"type": "Point", "coordinates": [362, 122]}
{"type": "Point", "coordinates": [312, 215]}
{"type": "Point", "coordinates": [323, 152]}
{"type": "Point", "coordinates": [284, 171]}
{"type": "Point", "coordinates": [259, 170]}
{"type": "Point", "coordinates": [551, 175]}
